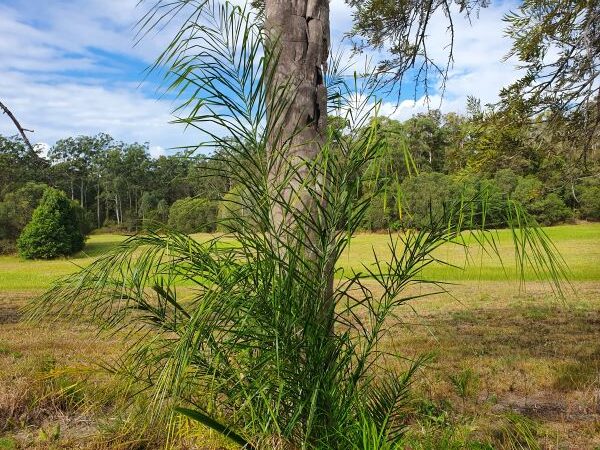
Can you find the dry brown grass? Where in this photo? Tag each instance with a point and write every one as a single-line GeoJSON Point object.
{"type": "Point", "coordinates": [54, 394]}
{"type": "Point", "coordinates": [495, 350]}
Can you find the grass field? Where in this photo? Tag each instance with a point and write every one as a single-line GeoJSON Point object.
{"type": "Point", "coordinates": [579, 245]}
{"type": "Point", "coordinates": [501, 357]}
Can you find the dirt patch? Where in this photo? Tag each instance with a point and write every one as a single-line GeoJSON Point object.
{"type": "Point", "coordinates": [9, 314]}
{"type": "Point", "coordinates": [542, 405]}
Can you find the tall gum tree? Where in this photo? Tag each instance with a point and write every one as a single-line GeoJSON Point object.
{"type": "Point", "coordinates": [299, 37]}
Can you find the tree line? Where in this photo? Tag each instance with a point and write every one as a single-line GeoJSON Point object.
{"type": "Point", "coordinates": [118, 185]}
{"type": "Point", "coordinates": [432, 158]}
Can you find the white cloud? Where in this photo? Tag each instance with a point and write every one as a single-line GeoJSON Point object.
{"type": "Point", "coordinates": [64, 109]}
{"type": "Point", "coordinates": [156, 151]}
{"type": "Point", "coordinates": [60, 75]}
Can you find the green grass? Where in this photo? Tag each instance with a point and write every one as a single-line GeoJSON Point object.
{"type": "Point", "coordinates": [18, 274]}
{"type": "Point", "coordinates": [578, 244]}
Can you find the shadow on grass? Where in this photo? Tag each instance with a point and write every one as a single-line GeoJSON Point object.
{"type": "Point", "coordinates": [538, 332]}
{"type": "Point", "coordinates": [96, 246]}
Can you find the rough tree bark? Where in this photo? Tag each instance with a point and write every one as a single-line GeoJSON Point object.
{"type": "Point", "coordinates": [298, 33]}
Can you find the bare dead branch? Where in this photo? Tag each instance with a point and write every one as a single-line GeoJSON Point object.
{"type": "Point", "coordinates": [22, 130]}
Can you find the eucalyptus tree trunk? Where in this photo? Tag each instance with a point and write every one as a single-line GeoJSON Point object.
{"type": "Point", "coordinates": [98, 203]}
{"type": "Point", "coordinates": [298, 34]}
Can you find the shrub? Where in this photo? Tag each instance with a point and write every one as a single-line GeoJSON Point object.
{"type": "Point", "coordinates": [193, 215]}
{"type": "Point", "coordinates": [427, 196]}
{"type": "Point", "coordinates": [547, 209]}
{"type": "Point", "coordinates": [380, 213]}
{"type": "Point", "coordinates": [550, 210]}
{"type": "Point", "coordinates": [493, 199]}
{"type": "Point", "coordinates": [506, 180]}
{"type": "Point", "coordinates": [152, 210]}
{"type": "Point", "coordinates": [527, 190]}
{"type": "Point", "coordinates": [589, 201]}
{"type": "Point", "coordinates": [54, 230]}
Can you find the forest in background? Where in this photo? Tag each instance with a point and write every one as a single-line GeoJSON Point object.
{"type": "Point", "coordinates": [552, 168]}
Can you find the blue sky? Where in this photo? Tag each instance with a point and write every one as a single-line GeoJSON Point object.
{"type": "Point", "coordinates": [70, 67]}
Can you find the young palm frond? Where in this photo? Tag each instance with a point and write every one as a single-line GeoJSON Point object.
{"type": "Point", "coordinates": [244, 333]}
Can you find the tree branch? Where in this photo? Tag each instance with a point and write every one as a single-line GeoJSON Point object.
{"type": "Point", "coordinates": [22, 130]}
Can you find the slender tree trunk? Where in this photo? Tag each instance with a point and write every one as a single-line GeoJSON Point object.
{"type": "Point", "coordinates": [81, 194]}
{"type": "Point", "coordinates": [120, 204]}
{"type": "Point", "coordinates": [117, 209]}
{"type": "Point", "coordinates": [106, 207]}
{"type": "Point", "coordinates": [98, 203]}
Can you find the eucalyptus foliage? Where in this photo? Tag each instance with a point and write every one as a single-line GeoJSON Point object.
{"type": "Point", "coordinates": [245, 332]}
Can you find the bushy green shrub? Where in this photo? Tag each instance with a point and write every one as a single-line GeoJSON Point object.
{"type": "Point", "coordinates": [381, 213]}
{"type": "Point", "coordinates": [193, 215]}
{"type": "Point", "coordinates": [488, 208]}
{"type": "Point", "coordinates": [507, 181]}
{"type": "Point", "coordinates": [527, 190]}
{"type": "Point", "coordinates": [589, 200]}
{"type": "Point", "coordinates": [54, 230]}
{"type": "Point", "coordinates": [426, 195]}
{"type": "Point", "coordinates": [550, 210]}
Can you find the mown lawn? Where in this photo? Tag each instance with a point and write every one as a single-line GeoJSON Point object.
{"type": "Point", "coordinates": [499, 353]}
{"type": "Point", "coordinates": [17, 274]}
{"type": "Point", "coordinates": [578, 244]}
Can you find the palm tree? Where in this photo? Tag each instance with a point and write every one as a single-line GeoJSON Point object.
{"type": "Point", "coordinates": [255, 334]}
